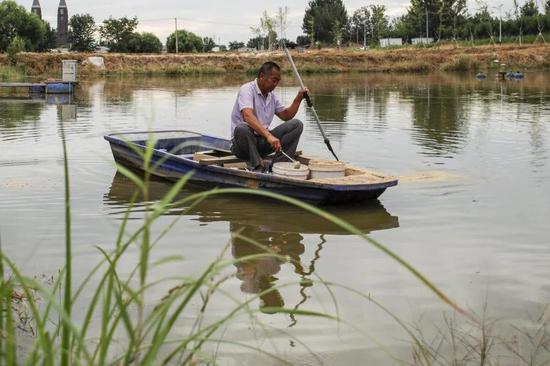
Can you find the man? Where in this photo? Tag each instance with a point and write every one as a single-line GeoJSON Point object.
{"type": "Point", "coordinates": [252, 114]}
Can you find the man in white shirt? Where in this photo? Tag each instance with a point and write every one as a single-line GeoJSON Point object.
{"type": "Point", "coordinates": [253, 112]}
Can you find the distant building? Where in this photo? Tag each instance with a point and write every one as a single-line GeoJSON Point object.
{"type": "Point", "coordinates": [62, 24]}
{"type": "Point", "coordinates": [102, 49]}
{"type": "Point", "coordinates": [389, 42]}
{"type": "Point", "coordinates": [62, 21]}
{"type": "Point", "coordinates": [246, 49]}
{"type": "Point", "coordinates": [422, 40]}
{"type": "Point", "coordinates": [36, 9]}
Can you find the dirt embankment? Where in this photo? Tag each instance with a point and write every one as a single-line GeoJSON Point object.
{"type": "Point", "coordinates": [402, 59]}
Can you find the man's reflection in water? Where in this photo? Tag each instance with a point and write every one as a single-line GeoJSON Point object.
{"type": "Point", "coordinates": [258, 274]}
{"type": "Point", "coordinates": [252, 233]}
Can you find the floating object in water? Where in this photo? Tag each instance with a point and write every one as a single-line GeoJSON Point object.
{"type": "Point", "coordinates": [327, 169]}
{"type": "Point", "coordinates": [481, 76]}
{"type": "Point", "coordinates": [429, 176]}
{"type": "Point", "coordinates": [514, 75]}
{"type": "Point", "coordinates": [289, 170]}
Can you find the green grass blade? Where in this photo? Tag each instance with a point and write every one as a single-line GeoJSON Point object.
{"type": "Point", "coordinates": [43, 337]}
{"type": "Point", "coordinates": [11, 339]}
{"type": "Point", "coordinates": [67, 295]}
{"type": "Point", "coordinates": [3, 298]}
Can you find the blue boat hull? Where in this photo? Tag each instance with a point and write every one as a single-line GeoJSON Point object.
{"type": "Point", "coordinates": [173, 167]}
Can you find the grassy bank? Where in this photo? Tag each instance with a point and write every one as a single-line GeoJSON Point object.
{"type": "Point", "coordinates": [10, 73]}
{"type": "Point", "coordinates": [414, 59]}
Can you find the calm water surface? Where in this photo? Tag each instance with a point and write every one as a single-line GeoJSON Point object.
{"type": "Point", "coordinates": [472, 210]}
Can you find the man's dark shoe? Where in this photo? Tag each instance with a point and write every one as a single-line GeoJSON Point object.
{"type": "Point", "coordinates": [268, 165]}
{"type": "Point", "coordinates": [264, 167]}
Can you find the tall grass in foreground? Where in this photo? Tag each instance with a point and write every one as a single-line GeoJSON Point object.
{"type": "Point", "coordinates": [116, 327]}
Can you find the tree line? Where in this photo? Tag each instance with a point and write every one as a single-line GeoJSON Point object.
{"type": "Point", "coordinates": [325, 22]}
{"type": "Point", "coordinates": [328, 22]}
{"type": "Point", "coordinates": [21, 30]}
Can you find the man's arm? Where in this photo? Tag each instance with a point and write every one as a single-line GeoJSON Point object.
{"type": "Point", "coordinates": [250, 118]}
{"type": "Point", "coordinates": [291, 111]}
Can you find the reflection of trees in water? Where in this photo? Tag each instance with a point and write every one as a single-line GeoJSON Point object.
{"type": "Point", "coordinates": [440, 118]}
{"type": "Point", "coordinates": [14, 113]}
{"type": "Point", "coordinates": [539, 149]}
{"type": "Point", "coordinates": [331, 104]}
{"type": "Point", "coordinates": [536, 130]}
{"type": "Point", "coordinates": [373, 103]}
{"type": "Point", "coordinates": [121, 89]}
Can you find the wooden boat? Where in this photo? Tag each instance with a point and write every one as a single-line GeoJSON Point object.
{"type": "Point", "coordinates": [177, 153]}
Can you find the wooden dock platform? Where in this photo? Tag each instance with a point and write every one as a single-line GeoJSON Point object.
{"type": "Point", "coordinates": [22, 85]}
{"type": "Point", "coordinates": [47, 87]}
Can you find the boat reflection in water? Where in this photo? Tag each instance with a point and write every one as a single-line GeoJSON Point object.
{"type": "Point", "coordinates": [263, 226]}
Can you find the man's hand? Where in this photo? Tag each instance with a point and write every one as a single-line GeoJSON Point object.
{"type": "Point", "coordinates": [302, 93]}
{"type": "Point", "coordinates": [274, 142]}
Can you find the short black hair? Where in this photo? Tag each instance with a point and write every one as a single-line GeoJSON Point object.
{"type": "Point", "coordinates": [267, 67]}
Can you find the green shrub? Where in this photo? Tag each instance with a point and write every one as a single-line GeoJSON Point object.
{"type": "Point", "coordinates": [16, 46]}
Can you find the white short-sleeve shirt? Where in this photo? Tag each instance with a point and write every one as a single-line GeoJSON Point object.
{"type": "Point", "coordinates": [250, 96]}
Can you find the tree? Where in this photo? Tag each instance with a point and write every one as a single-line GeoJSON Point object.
{"type": "Point", "coordinates": [421, 11]}
{"type": "Point", "coordinates": [529, 9]}
{"type": "Point", "coordinates": [150, 43]}
{"type": "Point", "coordinates": [258, 43]}
{"type": "Point", "coordinates": [326, 21]}
{"type": "Point", "coordinates": [235, 45]}
{"type": "Point", "coordinates": [208, 44]}
{"type": "Point", "coordinates": [360, 24]}
{"type": "Point", "coordinates": [302, 41]}
{"type": "Point", "coordinates": [187, 42]}
{"type": "Point", "coordinates": [547, 7]}
{"type": "Point", "coordinates": [49, 41]}
{"type": "Point", "coordinates": [379, 22]}
{"type": "Point", "coordinates": [451, 17]}
{"type": "Point", "coordinates": [266, 30]}
{"type": "Point", "coordinates": [16, 21]}
{"type": "Point", "coordinates": [519, 21]}
{"type": "Point", "coordinates": [116, 33]}
{"type": "Point", "coordinates": [403, 28]}
{"type": "Point", "coordinates": [144, 43]}
{"type": "Point", "coordinates": [81, 33]}
{"type": "Point", "coordinates": [16, 46]}
{"type": "Point", "coordinates": [281, 20]}
{"type": "Point", "coordinates": [483, 23]}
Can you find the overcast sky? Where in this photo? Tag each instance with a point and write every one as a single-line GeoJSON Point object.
{"type": "Point", "coordinates": [224, 20]}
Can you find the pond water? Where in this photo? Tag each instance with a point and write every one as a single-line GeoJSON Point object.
{"type": "Point", "coordinates": [471, 211]}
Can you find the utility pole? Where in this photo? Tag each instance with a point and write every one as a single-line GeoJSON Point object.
{"type": "Point", "coordinates": [500, 25]}
{"type": "Point", "coordinates": [427, 29]}
{"type": "Point", "coordinates": [365, 34]}
{"type": "Point", "coordinates": [176, 22]}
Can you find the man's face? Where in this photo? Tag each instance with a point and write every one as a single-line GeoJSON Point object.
{"type": "Point", "coordinates": [268, 83]}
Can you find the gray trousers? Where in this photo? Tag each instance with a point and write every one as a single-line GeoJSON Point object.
{"type": "Point", "coordinates": [248, 145]}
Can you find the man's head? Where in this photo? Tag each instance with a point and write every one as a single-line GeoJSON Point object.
{"type": "Point", "coordinates": [269, 76]}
